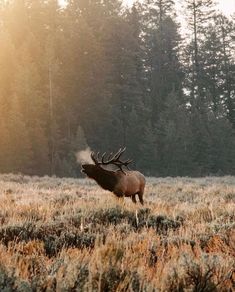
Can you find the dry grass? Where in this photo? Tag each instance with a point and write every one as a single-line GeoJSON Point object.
{"type": "Point", "coordinates": [69, 235]}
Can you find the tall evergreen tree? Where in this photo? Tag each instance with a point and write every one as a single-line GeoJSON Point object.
{"type": "Point", "coordinates": [19, 146]}
{"type": "Point", "coordinates": [226, 30]}
{"type": "Point", "coordinates": [200, 13]}
{"type": "Point", "coordinates": [162, 41]}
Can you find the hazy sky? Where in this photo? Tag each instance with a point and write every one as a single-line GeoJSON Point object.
{"type": "Point", "coordinates": [227, 6]}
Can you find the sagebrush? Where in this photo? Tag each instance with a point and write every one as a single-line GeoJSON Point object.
{"type": "Point", "coordinates": [70, 235]}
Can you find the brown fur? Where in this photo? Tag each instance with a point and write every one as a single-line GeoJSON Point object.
{"type": "Point", "coordinates": [128, 184]}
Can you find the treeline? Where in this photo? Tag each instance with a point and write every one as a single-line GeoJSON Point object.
{"type": "Point", "coordinates": [97, 74]}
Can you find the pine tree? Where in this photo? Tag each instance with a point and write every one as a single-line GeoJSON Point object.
{"type": "Point", "coordinates": [174, 138]}
{"type": "Point", "coordinates": [162, 44]}
{"type": "Point", "coordinates": [212, 74]}
{"type": "Point", "coordinates": [19, 145]}
{"type": "Point", "coordinates": [4, 147]}
{"type": "Point", "coordinates": [226, 28]}
{"type": "Point", "coordinates": [40, 149]}
{"type": "Point", "coordinates": [222, 147]}
{"type": "Point", "coordinates": [148, 159]}
{"type": "Point", "coordinates": [200, 13]}
{"type": "Point", "coordinates": [8, 63]}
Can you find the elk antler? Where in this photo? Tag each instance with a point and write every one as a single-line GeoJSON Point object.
{"type": "Point", "coordinates": [94, 159]}
{"type": "Point", "coordinates": [112, 159]}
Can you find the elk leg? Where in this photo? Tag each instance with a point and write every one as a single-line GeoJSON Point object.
{"type": "Point", "coordinates": [133, 199]}
{"type": "Point", "coordinates": [140, 195]}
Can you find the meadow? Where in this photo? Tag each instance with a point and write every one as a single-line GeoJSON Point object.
{"type": "Point", "coordinates": [70, 235]}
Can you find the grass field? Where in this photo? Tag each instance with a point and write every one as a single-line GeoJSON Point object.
{"type": "Point", "coordinates": [70, 235]}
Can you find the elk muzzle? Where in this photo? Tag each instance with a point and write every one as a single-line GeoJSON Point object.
{"type": "Point", "coordinates": [89, 169]}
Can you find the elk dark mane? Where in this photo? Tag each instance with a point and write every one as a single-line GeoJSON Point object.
{"type": "Point", "coordinates": [106, 179]}
{"type": "Point", "coordinates": [122, 183]}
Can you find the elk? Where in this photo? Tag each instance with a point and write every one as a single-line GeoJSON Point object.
{"type": "Point", "coordinates": [122, 183]}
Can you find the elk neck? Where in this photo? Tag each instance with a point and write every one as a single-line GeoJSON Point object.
{"type": "Point", "coordinates": [106, 179]}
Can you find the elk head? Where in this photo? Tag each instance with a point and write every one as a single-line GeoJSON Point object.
{"type": "Point", "coordinates": [113, 159]}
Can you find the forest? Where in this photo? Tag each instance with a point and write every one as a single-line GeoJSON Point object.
{"type": "Point", "coordinates": [96, 74]}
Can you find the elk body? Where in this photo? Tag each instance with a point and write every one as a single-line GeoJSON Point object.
{"type": "Point", "coordinates": [122, 183]}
